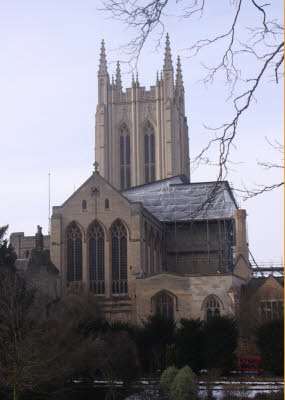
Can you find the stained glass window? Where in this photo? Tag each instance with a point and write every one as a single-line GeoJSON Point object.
{"type": "Point", "coordinates": [125, 157]}
{"type": "Point", "coordinates": [96, 243]}
{"type": "Point", "coordinates": [119, 258]}
{"type": "Point", "coordinates": [74, 252]}
{"type": "Point", "coordinates": [149, 153]}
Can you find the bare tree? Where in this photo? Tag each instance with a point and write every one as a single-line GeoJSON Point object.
{"type": "Point", "coordinates": [260, 44]}
{"type": "Point", "coordinates": [39, 354]}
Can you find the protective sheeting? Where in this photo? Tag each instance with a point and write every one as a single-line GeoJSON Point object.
{"type": "Point", "coordinates": [175, 199]}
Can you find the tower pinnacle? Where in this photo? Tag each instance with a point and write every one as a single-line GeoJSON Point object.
{"type": "Point", "coordinates": [118, 77]}
{"type": "Point", "coordinates": [179, 79]}
{"type": "Point", "coordinates": [167, 56]}
{"type": "Point", "coordinates": [103, 62]}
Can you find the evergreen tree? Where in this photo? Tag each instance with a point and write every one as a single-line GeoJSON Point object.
{"type": "Point", "coordinates": [7, 253]}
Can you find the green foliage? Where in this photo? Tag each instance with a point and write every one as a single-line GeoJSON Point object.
{"type": "Point", "coordinates": [220, 342]}
{"type": "Point", "coordinates": [7, 253]}
{"type": "Point", "coordinates": [170, 357]}
{"type": "Point", "coordinates": [190, 342]}
{"type": "Point", "coordinates": [122, 326]}
{"type": "Point", "coordinates": [167, 378]}
{"type": "Point", "coordinates": [93, 327]}
{"type": "Point", "coordinates": [152, 340]}
{"type": "Point", "coordinates": [184, 386]}
{"type": "Point", "coordinates": [270, 341]}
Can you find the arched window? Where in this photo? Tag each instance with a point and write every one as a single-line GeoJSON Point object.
{"type": "Point", "coordinates": [96, 242]}
{"type": "Point", "coordinates": [212, 307]}
{"type": "Point", "coordinates": [107, 204]}
{"type": "Point", "coordinates": [125, 157]}
{"type": "Point", "coordinates": [84, 205]}
{"type": "Point", "coordinates": [149, 153]}
{"type": "Point", "coordinates": [74, 252]}
{"type": "Point", "coordinates": [164, 305]}
{"type": "Point", "coordinates": [119, 258]}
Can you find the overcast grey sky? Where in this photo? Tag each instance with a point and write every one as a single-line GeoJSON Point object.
{"type": "Point", "coordinates": [48, 95]}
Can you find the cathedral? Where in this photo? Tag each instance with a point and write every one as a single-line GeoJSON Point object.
{"type": "Point", "coordinates": [138, 234]}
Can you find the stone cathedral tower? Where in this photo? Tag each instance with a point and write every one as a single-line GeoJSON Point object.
{"type": "Point", "coordinates": [141, 135]}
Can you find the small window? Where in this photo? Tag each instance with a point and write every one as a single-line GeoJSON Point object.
{"type": "Point", "coordinates": [27, 253]}
{"type": "Point", "coordinates": [271, 309]}
{"type": "Point", "coordinates": [107, 204]}
{"type": "Point", "coordinates": [164, 305]}
{"type": "Point", "coordinates": [84, 205]}
{"type": "Point", "coordinates": [212, 307]}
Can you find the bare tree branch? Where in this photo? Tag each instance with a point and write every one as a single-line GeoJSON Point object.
{"type": "Point", "coordinates": [263, 42]}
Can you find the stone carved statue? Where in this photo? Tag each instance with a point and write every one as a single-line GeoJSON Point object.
{"type": "Point", "coordinates": [39, 239]}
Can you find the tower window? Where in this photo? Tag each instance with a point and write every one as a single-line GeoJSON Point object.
{"type": "Point", "coordinates": [107, 205]}
{"type": "Point", "coordinates": [84, 205]}
{"type": "Point", "coordinates": [125, 157]}
{"type": "Point", "coordinates": [74, 252]}
{"type": "Point", "coordinates": [149, 153]}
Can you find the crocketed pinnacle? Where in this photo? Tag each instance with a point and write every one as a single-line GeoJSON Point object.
{"type": "Point", "coordinates": [118, 77]}
{"type": "Point", "coordinates": [167, 56]}
{"type": "Point", "coordinates": [137, 80]}
{"type": "Point", "coordinates": [103, 62]}
{"type": "Point", "coordinates": [179, 79]}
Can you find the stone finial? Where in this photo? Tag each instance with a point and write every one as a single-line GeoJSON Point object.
{"type": "Point", "coordinates": [103, 61]}
{"type": "Point", "coordinates": [179, 79]}
{"type": "Point", "coordinates": [96, 166]}
{"type": "Point", "coordinates": [39, 239]}
{"type": "Point", "coordinates": [118, 77]}
{"type": "Point", "coordinates": [157, 78]}
{"type": "Point", "coordinates": [167, 56]}
{"type": "Point", "coordinates": [137, 80]}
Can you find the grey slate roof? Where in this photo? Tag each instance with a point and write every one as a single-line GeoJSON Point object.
{"type": "Point", "coordinates": [176, 199]}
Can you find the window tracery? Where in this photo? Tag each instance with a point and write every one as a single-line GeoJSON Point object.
{"type": "Point", "coordinates": [74, 252]}
{"type": "Point", "coordinates": [119, 258]}
{"type": "Point", "coordinates": [212, 307]}
{"type": "Point", "coordinates": [125, 157]}
{"type": "Point", "coordinates": [149, 153]}
{"type": "Point", "coordinates": [164, 305]}
{"type": "Point", "coordinates": [96, 257]}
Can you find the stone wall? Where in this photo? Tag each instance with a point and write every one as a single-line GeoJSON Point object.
{"type": "Point", "coordinates": [24, 244]}
{"type": "Point", "coordinates": [189, 293]}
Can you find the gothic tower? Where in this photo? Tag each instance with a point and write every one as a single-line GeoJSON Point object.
{"type": "Point", "coordinates": [141, 135]}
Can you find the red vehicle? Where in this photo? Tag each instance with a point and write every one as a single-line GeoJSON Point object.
{"type": "Point", "coordinates": [249, 364]}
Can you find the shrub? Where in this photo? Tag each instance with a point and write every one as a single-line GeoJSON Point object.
{"type": "Point", "coordinates": [184, 386]}
{"type": "Point", "coordinates": [270, 338]}
{"type": "Point", "coordinates": [190, 344]}
{"type": "Point", "coordinates": [167, 378]}
{"type": "Point", "coordinates": [152, 340]}
{"type": "Point", "coordinates": [220, 335]}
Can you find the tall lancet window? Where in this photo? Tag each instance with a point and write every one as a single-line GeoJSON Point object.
{"type": "Point", "coordinates": [149, 153]}
{"type": "Point", "coordinates": [119, 258]}
{"type": "Point", "coordinates": [74, 252]}
{"type": "Point", "coordinates": [96, 258]}
{"type": "Point", "coordinates": [125, 157]}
